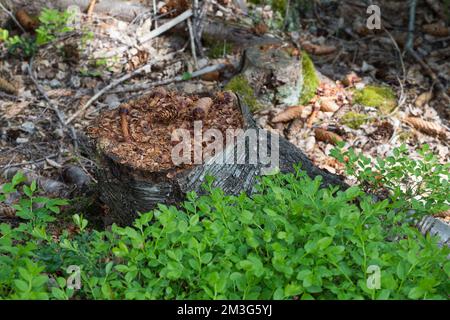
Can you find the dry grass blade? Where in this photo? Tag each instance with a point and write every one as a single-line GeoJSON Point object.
{"type": "Point", "coordinates": [427, 127]}
{"type": "Point", "coordinates": [327, 136]}
{"type": "Point", "coordinates": [289, 114]}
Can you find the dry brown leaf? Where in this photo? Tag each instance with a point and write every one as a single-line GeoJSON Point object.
{"type": "Point", "coordinates": [436, 29]}
{"type": "Point", "coordinates": [318, 49]}
{"type": "Point", "coordinates": [328, 105]}
{"type": "Point", "coordinates": [427, 127]}
{"type": "Point", "coordinates": [288, 114]}
{"type": "Point", "coordinates": [423, 99]}
{"type": "Point", "coordinates": [7, 86]}
{"type": "Point", "coordinates": [313, 114]}
{"type": "Point", "coordinates": [26, 21]}
{"type": "Point", "coordinates": [327, 136]}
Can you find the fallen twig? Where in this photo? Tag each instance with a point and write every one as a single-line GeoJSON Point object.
{"type": "Point", "coordinates": [149, 85]}
{"type": "Point", "coordinates": [11, 165]}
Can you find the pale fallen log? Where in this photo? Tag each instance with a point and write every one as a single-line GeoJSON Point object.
{"type": "Point", "coordinates": [123, 10]}
{"type": "Point", "coordinates": [153, 84]}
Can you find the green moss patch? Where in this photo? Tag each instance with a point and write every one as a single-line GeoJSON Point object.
{"type": "Point", "coordinates": [310, 79]}
{"type": "Point", "coordinates": [240, 85]}
{"type": "Point", "coordinates": [380, 97]}
{"type": "Point", "coordinates": [353, 120]}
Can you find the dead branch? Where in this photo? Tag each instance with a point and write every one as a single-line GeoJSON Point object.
{"type": "Point", "coordinates": [166, 26]}
{"type": "Point", "coordinates": [152, 84]}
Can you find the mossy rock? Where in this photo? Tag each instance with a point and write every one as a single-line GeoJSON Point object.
{"type": "Point", "coordinates": [270, 75]}
{"type": "Point", "coordinates": [353, 120]}
{"type": "Point", "coordinates": [310, 79]}
{"type": "Point", "coordinates": [381, 97]}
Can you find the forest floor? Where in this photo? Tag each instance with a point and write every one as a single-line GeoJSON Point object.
{"type": "Point", "coordinates": [72, 69]}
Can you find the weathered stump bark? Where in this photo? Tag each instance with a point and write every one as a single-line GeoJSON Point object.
{"type": "Point", "coordinates": [127, 190]}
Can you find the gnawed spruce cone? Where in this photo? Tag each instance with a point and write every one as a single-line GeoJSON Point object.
{"type": "Point", "coordinates": [427, 127]}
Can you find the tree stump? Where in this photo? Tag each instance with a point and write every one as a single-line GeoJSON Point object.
{"type": "Point", "coordinates": [128, 189]}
